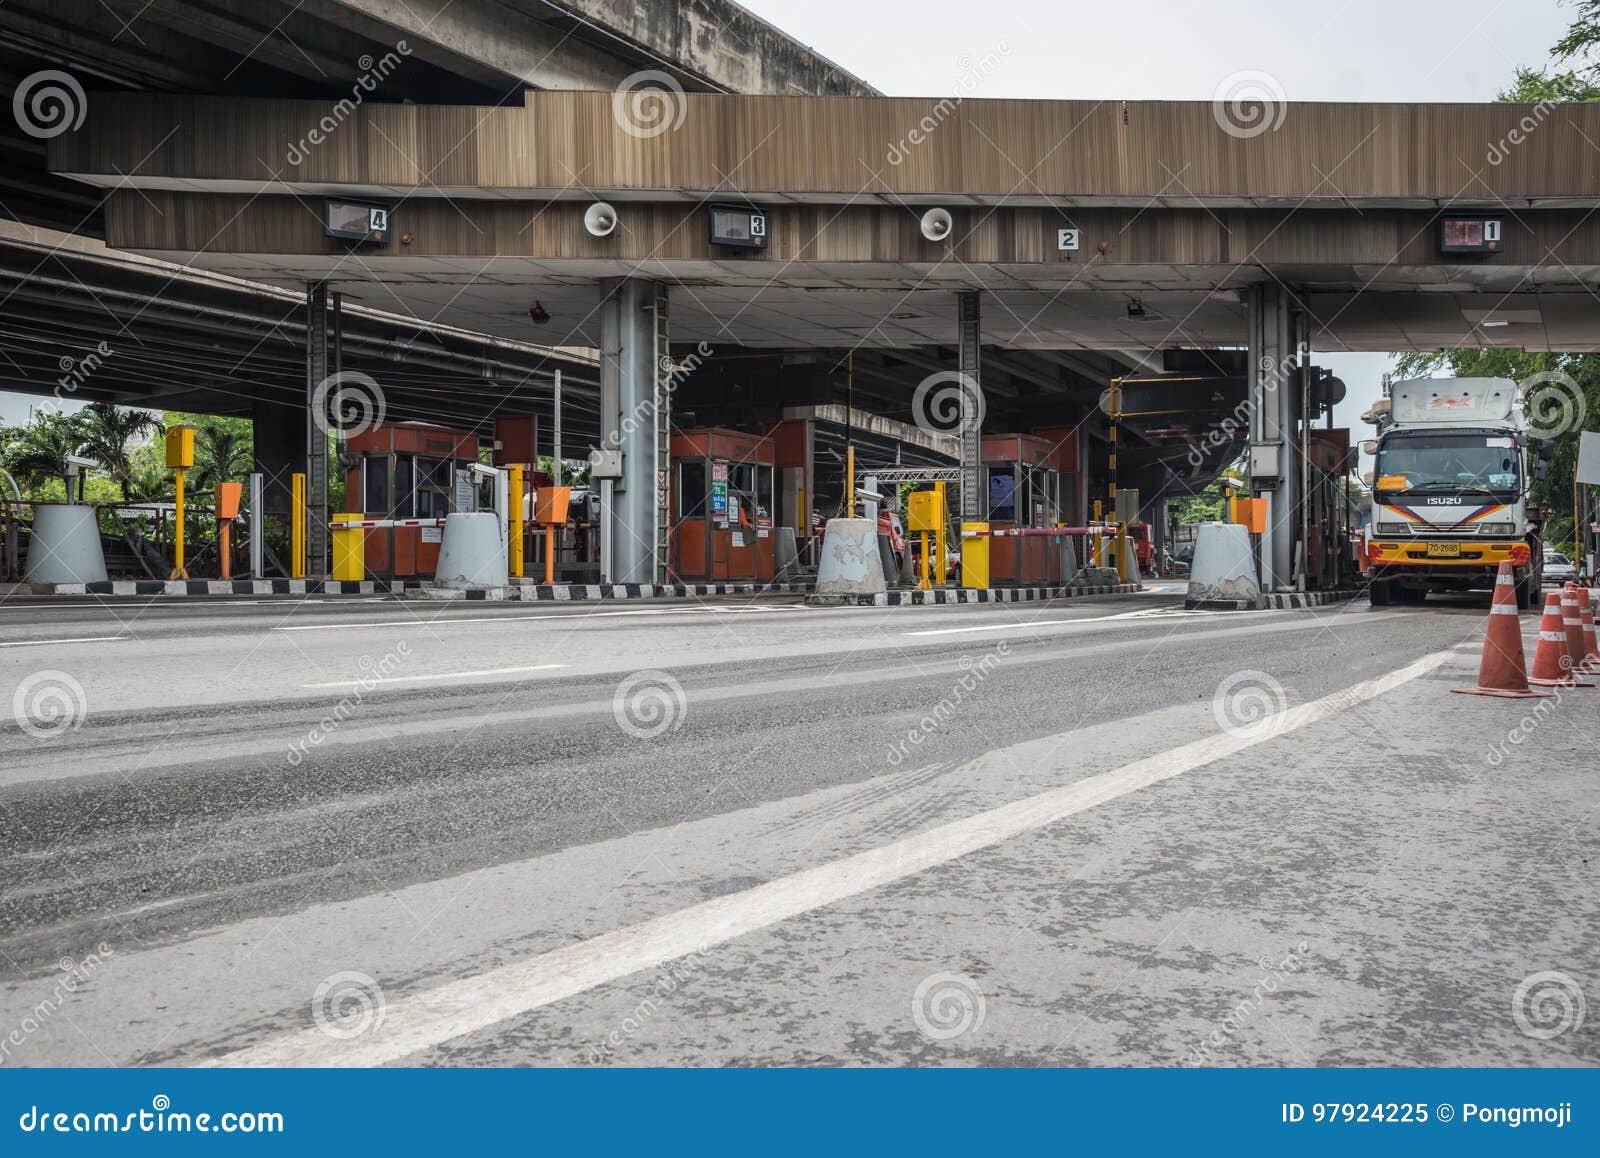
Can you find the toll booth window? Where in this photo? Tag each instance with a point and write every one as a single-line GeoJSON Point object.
{"type": "Point", "coordinates": [691, 490]}
{"type": "Point", "coordinates": [435, 478]}
{"type": "Point", "coordinates": [1003, 498]}
{"type": "Point", "coordinates": [375, 485]}
{"type": "Point", "coordinates": [404, 471]}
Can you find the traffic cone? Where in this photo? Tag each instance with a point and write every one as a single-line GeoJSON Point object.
{"type": "Point", "coordinates": [1503, 671]}
{"type": "Point", "coordinates": [1591, 653]}
{"type": "Point", "coordinates": [1552, 666]}
{"type": "Point", "coordinates": [1572, 624]}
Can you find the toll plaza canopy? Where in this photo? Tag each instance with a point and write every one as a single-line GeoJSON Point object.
{"type": "Point", "coordinates": [1097, 225]}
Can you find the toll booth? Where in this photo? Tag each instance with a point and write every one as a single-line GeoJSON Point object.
{"type": "Point", "coordinates": [1327, 510]}
{"type": "Point", "coordinates": [723, 483]}
{"type": "Point", "coordinates": [408, 470]}
{"type": "Point", "coordinates": [1024, 509]}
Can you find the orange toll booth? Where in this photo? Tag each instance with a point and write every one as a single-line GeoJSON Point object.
{"type": "Point", "coordinates": [1024, 508]}
{"type": "Point", "coordinates": [722, 500]}
{"type": "Point", "coordinates": [406, 470]}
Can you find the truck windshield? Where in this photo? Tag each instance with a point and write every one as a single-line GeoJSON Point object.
{"type": "Point", "coordinates": [1447, 463]}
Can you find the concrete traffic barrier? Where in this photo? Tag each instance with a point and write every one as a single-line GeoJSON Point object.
{"type": "Point", "coordinates": [65, 545]}
{"type": "Point", "coordinates": [1224, 570]}
{"type": "Point", "coordinates": [850, 563]}
{"type": "Point", "coordinates": [472, 552]}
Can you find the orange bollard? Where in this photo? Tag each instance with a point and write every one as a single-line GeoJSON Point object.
{"type": "Point", "coordinates": [1503, 671]}
{"type": "Point", "coordinates": [1572, 625]}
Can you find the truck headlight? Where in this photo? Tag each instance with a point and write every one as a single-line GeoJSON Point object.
{"type": "Point", "coordinates": [1497, 529]}
{"type": "Point", "coordinates": [1392, 529]}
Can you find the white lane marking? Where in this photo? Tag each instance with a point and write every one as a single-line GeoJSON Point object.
{"type": "Point", "coordinates": [1145, 613]}
{"type": "Point", "coordinates": [438, 1015]}
{"type": "Point", "coordinates": [78, 639]}
{"type": "Point", "coordinates": [365, 681]}
{"type": "Point", "coordinates": [452, 620]}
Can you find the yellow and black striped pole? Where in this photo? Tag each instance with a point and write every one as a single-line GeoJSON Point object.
{"type": "Point", "coordinates": [1117, 547]}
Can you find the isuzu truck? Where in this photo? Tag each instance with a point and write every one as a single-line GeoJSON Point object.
{"type": "Point", "coordinates": [1454, 460]}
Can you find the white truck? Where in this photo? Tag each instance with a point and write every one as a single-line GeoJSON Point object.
{"type": "Point", "coordinates": [1454, 460]}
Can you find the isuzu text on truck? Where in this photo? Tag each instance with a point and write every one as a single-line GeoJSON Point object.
{"type": "Point", "coordinates": [1450, 490]}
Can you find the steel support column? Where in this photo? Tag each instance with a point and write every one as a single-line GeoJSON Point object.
{"type": "Point", "coordinates": [1274, 419]}
{"type": "Point", "coordinates": [317, 371]}
{"type": "Point", "coordinates": [969, 357]}
{"type": "Point", "coordinates": [632, 421]}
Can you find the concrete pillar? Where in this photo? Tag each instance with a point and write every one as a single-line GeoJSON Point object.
{"type": "Point", "coordinates": [316, 445]}
{"type": "Point", "coordinates": [969, 357]}
{"type": "Point", "coordinates": [1274, 418]}
{"type": "Point", "coordinates": [632, 421]}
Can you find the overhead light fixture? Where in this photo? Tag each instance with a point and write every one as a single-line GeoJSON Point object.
{"type": "Point", "coordinates": [1491, 322]}
{"type": "Point", "coordinates": [537, 314]}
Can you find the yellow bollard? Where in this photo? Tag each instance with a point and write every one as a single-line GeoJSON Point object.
{"type": "Point", "coordinates": [975, 555]}
{"type": "Point", "coordinates": [925, 585]}
{"type": "Point", "coordinates": [349, 549]}
{"type": "Point", "coordinates": [514, 520]}
{"type": "Point", "coordinates": [179, 571]}
{"type": "Point", "coordinates": [180, 457]}
{"type": "Point", "coordinates": [297, 526]}
{"type": "Point", "coordinates": [941, 546]}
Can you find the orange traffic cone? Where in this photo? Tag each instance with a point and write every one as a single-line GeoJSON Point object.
{"type": "Point", "coordinates": [1572, 624]}
{"type": "Point", "coordinates": [1591, 653]}
{"type": "Point", "coordinates": [1503, 671]}
{"type": "Point", "coordinates": [1552, 666]}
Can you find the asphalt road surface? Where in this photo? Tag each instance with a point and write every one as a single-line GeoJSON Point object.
{"type": "Point", "coordinates": [1104, 832]}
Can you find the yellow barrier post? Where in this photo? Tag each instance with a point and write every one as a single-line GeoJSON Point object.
{"type": "Point", "coordinates": [297, 526]}
{"type": "Point", "coordinates": [514, 520]}
{"type": "Point", "coordinates": [975, 555]}
{"type": "Point", "coordinates": [349, 548]}
{"type": "Point", "coordinates": [180, 457]}
{"type": "Point", "coordinates": [941, 546]}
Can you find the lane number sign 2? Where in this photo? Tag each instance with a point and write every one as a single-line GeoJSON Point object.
{"type": "Point", "coordinates": [1066, 239]}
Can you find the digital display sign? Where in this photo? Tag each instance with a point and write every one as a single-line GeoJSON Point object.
{"type": "Point", "coordinates": [359, 221]}
{"type": "Point", "coordinates": [1469, 235]}
{"type": "Point", "coordinates": [738, 226]}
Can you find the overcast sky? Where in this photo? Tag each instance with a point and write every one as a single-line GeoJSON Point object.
{"type": "Point", "coordinates": [1363, 50]}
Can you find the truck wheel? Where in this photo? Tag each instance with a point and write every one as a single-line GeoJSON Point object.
{"type": "Point", "coordinates": [1379, 593]}
{"type": "Point", "coordinates": [1527, 592]}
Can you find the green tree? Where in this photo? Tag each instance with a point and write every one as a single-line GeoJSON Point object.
{"type": "Point", "coordinates": [107, 433]}
{"type": "Point", "coordinates": [222, 453]}
{"type": "Point", "coordinates": [37, 453]}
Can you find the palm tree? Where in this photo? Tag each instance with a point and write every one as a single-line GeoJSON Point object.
{"type": "Point", "coordinates": [107, 431]}
{"type": "Point", "coordinates": [39, 451]}
{"type": "Point", "coordinates": [222, 453]}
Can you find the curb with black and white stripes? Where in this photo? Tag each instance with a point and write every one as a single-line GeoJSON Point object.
{"type": "Point", "coordinates": [1274, 601]}
{"type": "Point", "coordinates": [956, 595]}
{"type": "Point", "coordinates": [189, 588]}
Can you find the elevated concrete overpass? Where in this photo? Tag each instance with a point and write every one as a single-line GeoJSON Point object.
{"type": "Point", "coordinates": [1323, 229]}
